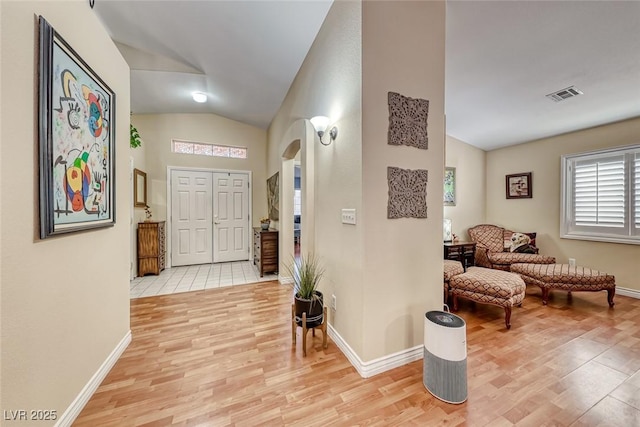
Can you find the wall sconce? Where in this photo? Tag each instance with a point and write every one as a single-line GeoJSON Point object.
{"type": "Point", "coordinates": [320, 124]}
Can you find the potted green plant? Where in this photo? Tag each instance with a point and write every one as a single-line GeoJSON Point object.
{"type": "Point", "coordinates": [134, 141]}
{"type": "Point", "coordinates": [306, 273]}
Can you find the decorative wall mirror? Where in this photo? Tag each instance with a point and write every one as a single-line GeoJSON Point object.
{"type": "Point", "coordinates": [139, 188]}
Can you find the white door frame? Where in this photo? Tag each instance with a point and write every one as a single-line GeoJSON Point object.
{"type": "Point", "coordinates": [168, 213]}
{"type": "Point", "coordinates": [133, 228]}
{"type": "Point", "coordinates": [301, 137]}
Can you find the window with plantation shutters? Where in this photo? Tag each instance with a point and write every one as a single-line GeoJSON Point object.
{"type": "Point", "coordinates": [599, 192]}
{"type": "Point", "coordinates": [601, 195]}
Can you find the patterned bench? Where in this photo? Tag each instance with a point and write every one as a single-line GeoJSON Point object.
{"type": "Point", "coordinates": [489, 286]}
{"type": "Point", "coordinates": [451, 268]}
{"type": "Point", "coordinates": [567, 278]}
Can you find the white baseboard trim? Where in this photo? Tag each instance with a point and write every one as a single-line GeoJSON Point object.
{"type": "Point", "coordinates": [379, 365]}
{"type": "Point", "coordinates": [72, 412]}
{"type": "Point", "coordinates": [627, 292]}
{"type": "Point", "coordinates": [285, 280]}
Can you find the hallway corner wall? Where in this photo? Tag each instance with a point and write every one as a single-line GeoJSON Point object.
{"type": "Point", "coordinates": [65, 299]}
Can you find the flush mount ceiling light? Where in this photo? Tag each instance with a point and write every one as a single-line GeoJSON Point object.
{"type": "Point", "coordinates": [320, 124]}
{"type": "Point", "coordinates": [199, 97]}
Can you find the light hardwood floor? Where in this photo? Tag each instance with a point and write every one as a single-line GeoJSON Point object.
{"type": "Point", "coordinates": [224, 357]}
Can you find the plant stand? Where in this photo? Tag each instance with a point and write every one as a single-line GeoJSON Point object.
{"type": "Point", "coordinates": [322, 326]}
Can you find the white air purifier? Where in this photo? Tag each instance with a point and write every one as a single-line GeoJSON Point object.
{"type": "Point", "coordinates": [445, 356]}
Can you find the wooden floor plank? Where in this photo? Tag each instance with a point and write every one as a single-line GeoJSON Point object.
{"type": "Point", "coordinates": [224, 357]}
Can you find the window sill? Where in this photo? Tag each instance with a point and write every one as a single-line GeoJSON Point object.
{"type": "Point", "coordinates": [606, 239]}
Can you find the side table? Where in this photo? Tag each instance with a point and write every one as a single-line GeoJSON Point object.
{"type": "Point", "coordinates": [465, 252]}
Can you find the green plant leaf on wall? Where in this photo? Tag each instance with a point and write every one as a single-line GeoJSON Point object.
{"type": "Point", "coordinates": [135, 141]}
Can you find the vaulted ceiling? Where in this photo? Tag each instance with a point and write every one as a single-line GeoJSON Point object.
{"type": "Point", "coordinates": [502, 58]}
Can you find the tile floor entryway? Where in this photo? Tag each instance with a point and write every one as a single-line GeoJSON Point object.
{"type": "Point", "coordinates": [197, 277]}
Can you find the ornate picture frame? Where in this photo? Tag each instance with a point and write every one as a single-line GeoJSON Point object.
{"type": "Point", "coordinates": [139, 188]}
{"type": "Point", "coordinates": [273, 196]}
{"type": "Point", "coordinates": [76, 126]}
{"type": "Point", "coordinates": [519, 186]}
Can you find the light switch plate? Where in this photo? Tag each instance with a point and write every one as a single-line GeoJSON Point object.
{"type": "Point", "coordinates": [349, 216]}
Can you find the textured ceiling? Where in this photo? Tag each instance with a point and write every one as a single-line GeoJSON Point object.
{"type": "Point", "coordinates": [243, 54]}
{"type": "Point", "coordinates": [502, 58]}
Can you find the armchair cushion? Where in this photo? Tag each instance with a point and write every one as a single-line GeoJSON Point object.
{"type": "Point", "coordinates": [509, 233]}
{"type": "Point", "coordinates": [508, 258]}
{"type": "Point", "coordinates": [520, 242]}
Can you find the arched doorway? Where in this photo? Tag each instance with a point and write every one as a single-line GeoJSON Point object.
{"type": "Point", "coordinates": [296, 149]}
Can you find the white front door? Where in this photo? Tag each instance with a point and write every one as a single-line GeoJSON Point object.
{"type": "Point", "coordinates": [191, 227]}
{"type": "Point", "coordinates": [230, 216]}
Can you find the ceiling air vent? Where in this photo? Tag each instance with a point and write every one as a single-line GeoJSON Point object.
{"type": "Point", "coordinates": [565, 93]}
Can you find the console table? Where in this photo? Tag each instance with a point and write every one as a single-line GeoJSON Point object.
{"type": "Point", "coordinates": [465, 252]}
{"type": "Point", "coordinates": [265, 250]}
{"type": "Point", "coordinates": [150, 247]}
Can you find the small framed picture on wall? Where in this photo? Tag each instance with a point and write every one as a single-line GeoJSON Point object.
{"type": "Point", "coordinates": [449, 186]}
{"type": "Point", "coordinates": [519, 186]}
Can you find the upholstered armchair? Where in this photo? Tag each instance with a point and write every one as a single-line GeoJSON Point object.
{"type": "Point", "coordinates": [492, 248]}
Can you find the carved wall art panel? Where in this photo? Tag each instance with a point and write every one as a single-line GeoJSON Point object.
{"type": "Point", "coordinates": [407, 193]}
{"type": "Point", "coordinates": [408, 121]}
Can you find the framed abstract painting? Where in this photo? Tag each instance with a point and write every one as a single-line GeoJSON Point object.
{"type": "Point", "coordinates": [76, 140]}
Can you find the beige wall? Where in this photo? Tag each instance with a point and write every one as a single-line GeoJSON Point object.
{"type": "Point", "coordinates": [329, 83]}
{"type": "Point", "coordinates": [542, 212]}
{"type": "Point", "coordinates": [384, 273]}
{"type": "Point", "coordinates": [157, 131]}
{"type": "Point", "coordinates": [65, 300]}
{"type": "Point", "coordinates": [402, 51]}
{"type": "Point", "coordinates": [471, 190]}
{"type": "Point", "coordinates": [138, 155]}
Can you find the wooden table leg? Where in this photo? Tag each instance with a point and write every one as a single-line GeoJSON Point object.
{"type": "Point", "coordinates": [304, 334]}
{"type": "Point", "coordinates": [324, 329]}
{"type": "Point", "coordinates": [293, 323]}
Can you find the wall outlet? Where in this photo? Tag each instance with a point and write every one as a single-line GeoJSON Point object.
{"type": "Point", "coordinates": [333, 301]}
{"type": "Point", "coordinates": [348, 216]}
{"type": "Point", "coordinates": [572, 262]}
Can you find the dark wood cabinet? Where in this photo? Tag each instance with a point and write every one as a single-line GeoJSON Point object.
{"type": "Point", "coordinates": [150, 247]}
{"type": "Point", "coordinates": [265, 250]}
{"type": "Point", "coordinates": [465, 252]}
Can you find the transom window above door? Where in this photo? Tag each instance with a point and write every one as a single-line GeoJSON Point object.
{"type": "Point", "coordinates": [205, 149]}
